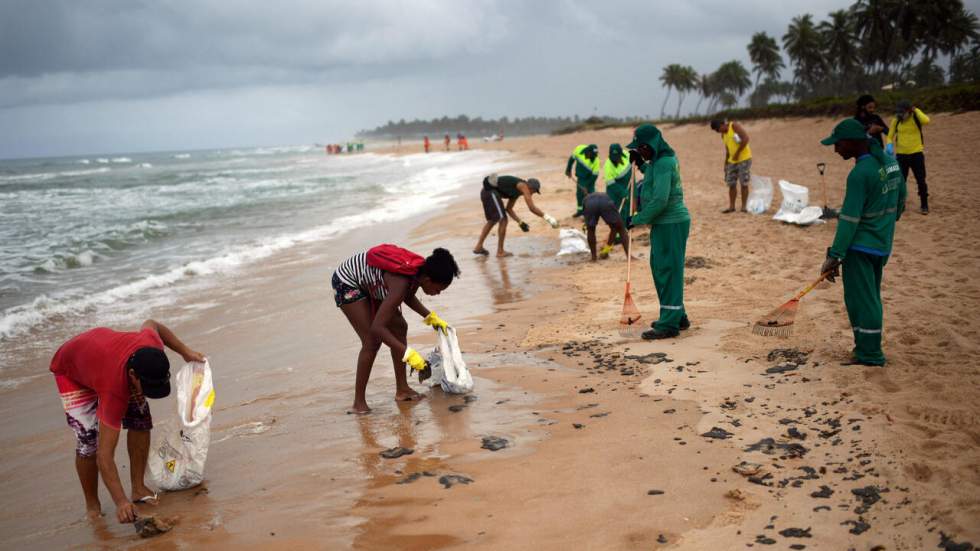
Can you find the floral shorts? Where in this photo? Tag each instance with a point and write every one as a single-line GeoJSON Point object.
{"type": "Point", "coordinates": [344, 293]}
{"type": "Point", "coordinates": [80, 410]}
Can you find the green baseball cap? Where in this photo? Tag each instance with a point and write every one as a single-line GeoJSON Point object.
{"type": "Point", "coordinates": [847, 129]}
{"type": "Point", "coordinates": [644, 133]}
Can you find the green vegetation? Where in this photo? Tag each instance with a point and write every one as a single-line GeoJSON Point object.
{"type": "Point", "coordinates": [871, 45]}
{"type": "Point", "coordinates": [943, 99]}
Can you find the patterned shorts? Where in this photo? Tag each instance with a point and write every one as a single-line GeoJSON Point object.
{"type": "Point", "coordinates": [738, 173]}
{"type": "Point", "coordinates": [80, 406]}
{"type": "Point", "coordinates": [344, 293]}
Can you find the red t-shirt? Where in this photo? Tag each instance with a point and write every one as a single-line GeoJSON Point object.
{"type": "Point", "coordinates": [96, 360]}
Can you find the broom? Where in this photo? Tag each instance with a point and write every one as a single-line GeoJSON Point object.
{"type": "Point", "coordinates": [629, 320]}
{"type": "Point", "coordinates": [779, 322]}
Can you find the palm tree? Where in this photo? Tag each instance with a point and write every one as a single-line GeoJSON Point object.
{"type": "Point", "coordinates": [764, 53]}
{"type": "Point", "coordinates": [840, 47]}
{"type": "Point", "coordinates": [669, 77]}
{"type": "Point", "coordinates": [802, 43]}
{"type": "Point", "coordinates": [733, 79]}
{"type": "Point", "coordinates": [704, 88]}
{"type": "Point", "coordinates": [687, 80]}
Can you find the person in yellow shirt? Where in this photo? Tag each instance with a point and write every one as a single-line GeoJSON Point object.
{"type": "Point", "coordinates": [906, 141]}
{"type": "Point", "coordinates": [738, 160]}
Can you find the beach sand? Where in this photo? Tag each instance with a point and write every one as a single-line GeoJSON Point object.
{"type": "Point", "coordinates": [605, 447]}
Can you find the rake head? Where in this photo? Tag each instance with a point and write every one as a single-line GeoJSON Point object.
{"type": "Point", "coordinates": [779, 322]}
{"type": "Point", "coordinates": [630, 325]}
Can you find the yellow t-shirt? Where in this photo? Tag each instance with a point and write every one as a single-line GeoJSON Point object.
{"type": "Point", "coordinates": [905, 135]}
{"type": "Point", "coordinates": [732, 142]}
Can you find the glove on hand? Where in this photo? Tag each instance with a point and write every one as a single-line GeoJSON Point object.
{"type": "Point", "coordinates": [605, 250]}
{"type": "Point", "coordinates": [635, 157]}
{"type": "Point", "coordinates": [524, 227]}
{"type": "Point", "coordinates": [434, 321]}
{"type": "Point", "coordinates": [550, 220]}
{"type": "Point", "coordinates": [890, 149]}
{"type": "Point", "coordinates": [414, 359]}
{"type": "Point", "coordinates": [831, 265]}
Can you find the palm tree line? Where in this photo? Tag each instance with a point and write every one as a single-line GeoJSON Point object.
{"type": "Point", "coordinates": [872, 44]}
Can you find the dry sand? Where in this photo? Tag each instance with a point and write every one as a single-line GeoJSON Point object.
{"type": "Point", "coordinates": [620, 466]}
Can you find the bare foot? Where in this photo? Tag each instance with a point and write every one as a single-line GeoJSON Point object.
{"type": "Point", "coordinates": [728, 210]}
{"type": "Point", "coordinates": [359, 409]}
{"type": "Point", "coordinates": [743, 209]}
{"type": "Point", "coordinates": [407, 395]}
{"type": "Point", "coordinates": [504, 254]}
{"type": "Point", "coordinates": [481, 251]}
{"type": "Point", "coordinates": [94, 512]}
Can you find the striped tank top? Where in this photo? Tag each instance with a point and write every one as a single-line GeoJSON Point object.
{"type": "Point", "coordinates": [355, 272]}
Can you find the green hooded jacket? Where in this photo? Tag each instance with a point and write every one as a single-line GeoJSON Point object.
{"type": "Point", "coordinates": [661, 197]}
{"type": "Point", "coordinates": [586, 171]}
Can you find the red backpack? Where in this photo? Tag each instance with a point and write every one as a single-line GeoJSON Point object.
{"type": "Point", "coordinates": [394, 259]}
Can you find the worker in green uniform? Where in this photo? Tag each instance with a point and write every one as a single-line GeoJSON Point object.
{"type": "Point", "coordinates": [586, 161]}
{"type": "Point", "coordinates": [661, 205]}
{"type": "Point", "coordinates": [617, 174]}
{"type": "Point", "coordinates": [873, 202]}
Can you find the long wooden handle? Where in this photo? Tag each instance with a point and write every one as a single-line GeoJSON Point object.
{"type": "Point", "coordinates": [810, 287]}
{"type": "Point", "coordinates": [629, 232]}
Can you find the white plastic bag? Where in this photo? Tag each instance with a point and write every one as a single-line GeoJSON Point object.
{"type": "Point", "coordinates": [448, 368]}
{"type": "Point", "coordinates": [177, 458]}
{"type": "Point", "coordinates": [573, 241]}
{"type": "Point", "coordinates": [760, 194]}
{"type": "Point", "coordinates": [795, 198]}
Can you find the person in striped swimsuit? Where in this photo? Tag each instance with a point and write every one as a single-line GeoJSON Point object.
{"type": "Point", "coordinates": [371, 300]}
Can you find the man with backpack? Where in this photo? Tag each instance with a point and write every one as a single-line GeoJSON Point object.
{"type": "Point", "coordinates": [906, 141]}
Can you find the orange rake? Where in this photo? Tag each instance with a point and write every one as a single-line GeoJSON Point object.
{"type": "Point", "coordinates": [779, 322]}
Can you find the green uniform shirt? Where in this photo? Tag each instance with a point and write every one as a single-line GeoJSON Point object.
{"type": "Point", "coordinates": [586, 171]}
{"type": "Point", "coordinates": [662, 197]}
{"type": "Point", "coordinates": [874, 200]}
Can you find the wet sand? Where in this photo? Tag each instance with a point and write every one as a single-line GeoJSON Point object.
{"type": "Point", "coordinates": [583, 468]}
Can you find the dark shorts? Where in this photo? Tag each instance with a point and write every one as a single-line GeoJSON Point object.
{"type": "Point", "coordinates": [493, 205]}
{"type": "Point", "coordinates": [344, 293]}
{"type": "Point", "coordinates": [598, 205]}
{"type": "Point", "coordinates": [80, 406]}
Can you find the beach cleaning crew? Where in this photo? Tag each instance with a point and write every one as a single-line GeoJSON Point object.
{"type": "Point", "coordinates": [617, 171]}
{"type": "Point", "coordinates": [586, 161]}
{"type": "Point", "coordinates": [445, 140]}
{"type": "Point", "coordinates": [370, 288]}
{"type": "Point", "coordinates": [104, 378]}
{"type": "Point", "coordinates": [495, 190]}
{"type": "Point", "coordinates": [907, 142]}
{"type": "Point", "coordinates": [600, 205]}
{"type": "Point", "coordinates": [738, 160]}
{"type": "Point", "coordinates": [661, 205]}
{"type": "Point", "coordinates": [873, 202]}
{"type": "Point", "coordinates": [426, 144]}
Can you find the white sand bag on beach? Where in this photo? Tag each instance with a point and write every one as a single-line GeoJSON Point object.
{"type": "Point", "coordinates": [795, 199]}
{"type": "Point", "coordinates": [177, 458]}
{"type": "Point", "coordinates": [448, 367]}
{"type": "Point", "coordinates": [573, 241]}
{"type": "Point", "coordinates": [760, 195]}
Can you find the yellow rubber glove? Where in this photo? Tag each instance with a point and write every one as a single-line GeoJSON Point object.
{"type": "Point", "coordinates": [414, 359]}
{"type": "Point", "coordinates": [434, 321]}
{"type": "Point", "coordinates": [605, 250]}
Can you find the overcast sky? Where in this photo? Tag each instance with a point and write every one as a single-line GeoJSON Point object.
{"type": "Point", "coordinates": [104, 76]}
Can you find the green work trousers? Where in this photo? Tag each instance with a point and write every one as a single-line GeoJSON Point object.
{"type": "Point", "coordinates": [589, 185]}
{"type": "Point", "coordinates": [668, 245]}
{"type": "Point", "coordinates": [862, 296]}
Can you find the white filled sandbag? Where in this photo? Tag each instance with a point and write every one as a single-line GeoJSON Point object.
{"type": "Point", "coordinates": [179, 452]}
{"type": "Point", "coordinates": [760, 195]}
{"type": "Point", "coordinates": [573, 241]}
{"type": "Point", "coordinates": [448, 367]}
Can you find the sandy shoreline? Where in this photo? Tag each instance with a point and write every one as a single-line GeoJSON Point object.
{"type": "Point", "coordinates": [296, 472]}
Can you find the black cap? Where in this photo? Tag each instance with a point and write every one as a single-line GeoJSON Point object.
{"type": "Point", "coordinates": [534, 185]}
{"type": "Point", "coordinates": [152, 368]}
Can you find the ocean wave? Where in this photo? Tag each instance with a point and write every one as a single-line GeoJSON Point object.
{"type": "Point", "coordinates": [145, 165]}
{"type": "Point", "coordinates": [84, 161]}
{"type": "Point", "coordinates": [182, 156]}
{"type": "Point", "coordinates": [102, 160]}
{"type": "Point", "coordinates": [121, 160]}
{"type": "Point", "coordinates": [40, 176]}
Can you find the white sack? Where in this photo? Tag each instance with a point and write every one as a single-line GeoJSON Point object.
{"type": "Point", "coordinates": [795, 198]}
{"type": "Point", "coordinates": [760, 195]}
{"type": "Point", "coordinates": [177, 457]}
{"type": "Point", "coordinates": [448, 368]}
{"type": "Point", "coordinates": [573, 241]}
